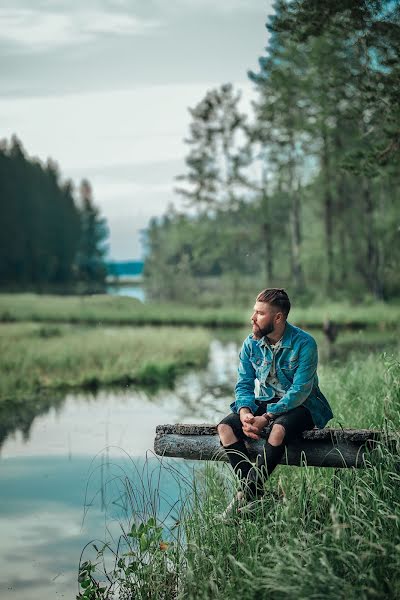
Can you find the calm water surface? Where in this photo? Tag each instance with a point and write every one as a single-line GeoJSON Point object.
{"type": "Point", "coordinates": [59, 481]}
{"type": "Point", "coordinates": [132, 291]}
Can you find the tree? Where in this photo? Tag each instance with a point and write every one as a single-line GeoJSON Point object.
{"type": "Point", "coordinates": [40, 221]}
{"type": "Point", "coordinates": [309, 188]}
{"type": "Point", "coordinates": [93, 234]}
{"type": "Point", "coordinates": [279, 113]}
{"type": "Point", "coordinates": [372, 29]}
{"type": "Point", "coordinates": [215, 157]}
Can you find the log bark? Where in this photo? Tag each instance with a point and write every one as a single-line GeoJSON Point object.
{"type": "Point", "coordinates": [339, 448]}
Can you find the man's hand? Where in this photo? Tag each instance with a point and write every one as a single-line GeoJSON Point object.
{"type": "Point", "coordinates": [252, 425]}
{"type": "Point", "coordinates": [244, 414]}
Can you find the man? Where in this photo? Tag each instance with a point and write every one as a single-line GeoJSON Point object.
{"type": "Point", "coordinates": [283, 358]}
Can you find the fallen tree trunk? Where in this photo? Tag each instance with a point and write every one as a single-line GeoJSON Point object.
{"type": "Point", "coordinates": [340, 448]}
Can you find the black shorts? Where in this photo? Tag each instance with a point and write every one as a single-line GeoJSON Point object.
{"type": "Point", "coordinates": [294, 421]}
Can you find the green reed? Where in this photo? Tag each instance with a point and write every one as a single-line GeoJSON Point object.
{"type": "Point", "coordinates": [38, 357]}
{"type": "Point", "coordinates": [325, 533]}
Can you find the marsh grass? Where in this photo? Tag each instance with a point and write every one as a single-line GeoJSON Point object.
{"type": "Point", "coordinates": [113, 310]}
{"type": "Point", "coordinates": [100, 310]}
{"type": "Point", "coordinates": [326, 533]}
{"type": "Point", "coordinates": [39, 357]}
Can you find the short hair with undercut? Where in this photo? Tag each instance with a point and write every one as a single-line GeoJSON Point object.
{"type": "Point", "coordinates": [276, 297]}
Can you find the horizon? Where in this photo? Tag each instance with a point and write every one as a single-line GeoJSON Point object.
{"type": "Point", "coordinates": [73, 91]}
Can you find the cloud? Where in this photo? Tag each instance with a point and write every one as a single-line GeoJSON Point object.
{"type": "Point", "coordinates": [44, 30]}
{"type": "Point", "coordinates": [128, 142]}
{"type": "Point", "coordinates": [146, 124]}
{"type": "Point", "coordinates": [222, 6]}
{"type": "Point", "coordinates": [123, 190]}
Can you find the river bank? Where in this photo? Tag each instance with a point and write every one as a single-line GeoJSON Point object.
{"type": "Point", "coordinates": [100, 310]}
{"type": "Point", "coordinates": [45, 357]}
{"type": "Point", "coordinates": [49, 442]}
{"type": "Point", "coordinates": [320, 532]}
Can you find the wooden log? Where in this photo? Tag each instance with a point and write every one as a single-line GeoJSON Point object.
{"type": "Point", "coordinates": [340, 448]}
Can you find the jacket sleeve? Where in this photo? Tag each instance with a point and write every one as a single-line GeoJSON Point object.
{"type": "Point", "coordinates": [303, 380]}
{"type": "Point", "coordinates": [244, 389]}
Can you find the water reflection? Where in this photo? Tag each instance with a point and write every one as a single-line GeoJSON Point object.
{"type": "Point", "coordinates": [70, 457]}
{"type": "Point", "coordinates": [83, 423]}
{"type": "Point", "coordinates": [41, 515]}
{"type": "Point", "coordinates": [18, 414]}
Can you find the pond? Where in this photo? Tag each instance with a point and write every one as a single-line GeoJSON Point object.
{"type": "Point", "coordinates": [58, 478]}
{"type": "Point", "coordinates": [131, 291]}
{"type": "Point", "coordinates": [63, 468]}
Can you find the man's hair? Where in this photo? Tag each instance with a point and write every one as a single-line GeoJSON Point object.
{"type": "Point", "coordinates": [276, 297]}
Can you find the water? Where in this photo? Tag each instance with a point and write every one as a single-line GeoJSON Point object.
{"type": "Point", "coordinates": [59, 480]}
{"type": "Point", "coordinates": [132, 291]}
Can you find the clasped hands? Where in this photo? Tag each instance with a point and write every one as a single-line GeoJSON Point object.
{"type": "Point", "coordinates": [252, 425]}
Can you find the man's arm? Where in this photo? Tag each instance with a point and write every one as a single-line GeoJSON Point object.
{"type": "Point", "coordinates": [302, 382]}
{"type": "Point", "coordinates": [244, 389]}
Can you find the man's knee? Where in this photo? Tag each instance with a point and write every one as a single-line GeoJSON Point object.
{"type": "Point", "coordinates": [226, 434]}
{"type": "Point", "coordinates": [277, 435]}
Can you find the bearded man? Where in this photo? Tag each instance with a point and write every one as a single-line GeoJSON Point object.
{"type": "Point", "coordinates": [283, 358]}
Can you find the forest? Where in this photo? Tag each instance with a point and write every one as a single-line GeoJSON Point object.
{"type": "Point", "coordinates": [51, 239]}
{"type": "Point", "coordinates": [304, 190]}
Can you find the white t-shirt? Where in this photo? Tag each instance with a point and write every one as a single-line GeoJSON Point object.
{"type": "Point", "coordinates": [272, 379]}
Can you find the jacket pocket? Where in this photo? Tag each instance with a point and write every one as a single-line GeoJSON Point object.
{"type": "Point", "coordinates": [289, 366]}
{"type": "Point", "coordinates": [261, 367]}
{"type": "Point", "coordinates": [256, 361]}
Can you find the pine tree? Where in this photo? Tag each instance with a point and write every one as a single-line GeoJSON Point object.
{"type": "Point", "coordinates": [93, 233]}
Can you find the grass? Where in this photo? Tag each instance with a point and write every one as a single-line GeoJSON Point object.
{"type": "Point", "coordinates": [41, 361]}
{"type": "Point", "coordinates": [103, 310]}
{"type": "Point", "coordinates": [333, 534]}
{"type": "Point", "coordinates": [42, 357]}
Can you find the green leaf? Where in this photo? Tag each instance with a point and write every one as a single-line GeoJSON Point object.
{"type": "Point", "coordinates": [151, 522]}
{"type": "Point", "coordinates": [143, 542]}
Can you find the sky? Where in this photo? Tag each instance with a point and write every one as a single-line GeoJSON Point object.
{"type": "Point", "coordinates": [103, 87]}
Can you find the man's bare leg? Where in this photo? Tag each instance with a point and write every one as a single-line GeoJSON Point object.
{"type": "Point", "coordinates": [226, 435]}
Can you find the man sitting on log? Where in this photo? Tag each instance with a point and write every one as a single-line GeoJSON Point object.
{"type": "Point", "coordinates": [283, 358]}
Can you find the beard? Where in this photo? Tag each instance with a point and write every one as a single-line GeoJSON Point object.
{"type": "Point", "coordinates": [259, 332]}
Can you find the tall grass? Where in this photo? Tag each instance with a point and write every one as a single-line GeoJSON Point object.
{"type": "Point", "coordinates": [105, 309]}
{"type": "Point", "coordinates": [38, 357]}
{"type": "Point", "coordinates": [101, 310]}
{"type": "Point", "coordinates": [326, 533]}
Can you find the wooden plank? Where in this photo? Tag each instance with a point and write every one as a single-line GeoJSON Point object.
{"type": "Point", "coordinates": [340, 448]}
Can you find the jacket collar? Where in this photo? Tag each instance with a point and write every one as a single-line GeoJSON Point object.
{"type": "Point", "coordinates": [286, 339]}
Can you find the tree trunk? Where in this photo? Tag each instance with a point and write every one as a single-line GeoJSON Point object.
{"type": "Point", "coordinates": [328, 207]}
{"type": "Point", "coordinates": [297, 270]}
{"type": "Point", "coordinates": [340, 448]}
{"type": "Point", "coordinates": [295, 224]}
{"type": "Point", "coordinates": [372, 271]}
{"type": "Point", "coordinates": [341, 193]}
{"type": "Point", "coordinates": [267, 237]}
{"type": "Point", "coordinates": [343, 249]}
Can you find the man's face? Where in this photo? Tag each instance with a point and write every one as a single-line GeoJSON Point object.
{"type": "Point", "coordinates": [263, 319]}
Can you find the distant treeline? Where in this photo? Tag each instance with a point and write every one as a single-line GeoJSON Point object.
{"type": "Point", "coordinates": [48, 237]}
{"type": "Point", "coordinates": [304, 191]}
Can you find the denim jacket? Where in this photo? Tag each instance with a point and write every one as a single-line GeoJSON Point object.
{"type": "Point", "coordinates": [296, 369]}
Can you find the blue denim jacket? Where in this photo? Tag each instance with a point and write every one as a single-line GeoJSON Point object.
{"type": "Point", "coordinates": [296, 369]}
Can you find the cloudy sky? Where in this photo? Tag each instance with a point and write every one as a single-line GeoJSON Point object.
{"type": "Point", "coordinates": [103, 87]}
